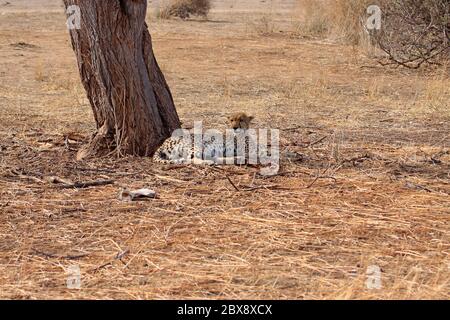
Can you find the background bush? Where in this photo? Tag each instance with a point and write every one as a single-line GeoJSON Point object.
{"type": "Point", "coordinates": [184, 9]}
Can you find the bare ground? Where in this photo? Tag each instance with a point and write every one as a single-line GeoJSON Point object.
{"type": "Point", "coordinates": [371, 185]}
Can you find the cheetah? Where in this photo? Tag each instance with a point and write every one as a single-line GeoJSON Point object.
{"type": "Point", "coordinates": [181, 149]}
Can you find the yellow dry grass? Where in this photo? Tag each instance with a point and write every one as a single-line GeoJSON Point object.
{"type": "Point", "coordinates": [340, 19]}
{"type": "Point", "coordinates": [372, 187]}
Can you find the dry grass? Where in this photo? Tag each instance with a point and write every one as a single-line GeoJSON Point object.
{"type": "Point", "coordinates": [436, 95]}
{"type": "Point", "coordinates": [312, 18]}
{"type": "Point", "coordinates": [339, 19]}
{"type": "Point", "coordinates": [371, 188]}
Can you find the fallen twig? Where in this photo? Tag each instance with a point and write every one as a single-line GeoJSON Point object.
{"type": "Point", "coordinates": [272, 186]}
{"type": "Point", "coordinates": [317, 141]}
{"type": "Point", "coordinates": [55, 256]}
{"type": "Point", "coordinates": [67, 184]}
{"type": "Point", "coordinates": [232, 183]}
{"type": "Point", "coordinates": [317, 178]}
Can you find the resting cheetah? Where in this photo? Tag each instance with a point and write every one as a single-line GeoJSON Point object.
{"type": "Point", "coordinates": [183, 149]}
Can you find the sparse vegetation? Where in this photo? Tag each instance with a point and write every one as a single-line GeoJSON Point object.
{"type": "Point", "coordinates": [263, 26]}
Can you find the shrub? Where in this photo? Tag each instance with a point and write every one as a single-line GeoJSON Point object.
{"type": "Point", "coordinates": [415, 32]}
{"type": "Point", "coordinates": [186, 8]}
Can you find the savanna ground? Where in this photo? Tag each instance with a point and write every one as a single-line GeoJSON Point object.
{"type": "Point", "coordinates": [370, 184]}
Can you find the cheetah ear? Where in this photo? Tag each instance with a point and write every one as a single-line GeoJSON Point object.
{"type": "Point", "coordinates": [250, 118]}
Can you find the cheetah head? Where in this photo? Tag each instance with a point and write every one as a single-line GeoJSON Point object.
{"type": "Point", "coordinates": [240, 121]}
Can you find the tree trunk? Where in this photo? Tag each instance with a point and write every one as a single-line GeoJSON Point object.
{"type": "Point", "coordinates": [131, 101]}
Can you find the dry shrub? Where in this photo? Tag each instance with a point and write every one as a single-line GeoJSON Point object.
{"type": "Point", "coordinates": [415, 32]}
{"type": "Point", "coordinates": [184, 9]}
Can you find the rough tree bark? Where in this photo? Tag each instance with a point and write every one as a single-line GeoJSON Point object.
{"type": "Point", "coordinates": [131, 101]}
